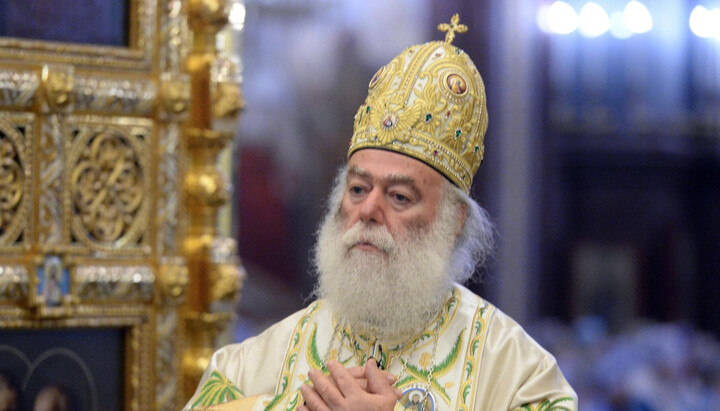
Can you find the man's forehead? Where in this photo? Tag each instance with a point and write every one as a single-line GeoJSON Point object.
{"type": "Point", "coordinates": [382, 163]}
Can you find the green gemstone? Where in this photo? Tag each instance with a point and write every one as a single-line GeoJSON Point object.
{"type": "Point", "coordinates": [457, 50]}
{"type": "Point", "coordinates": [477, 148]}
{"type": "Point", "coordinates": [367, 109]}
{"type": "Point", "coordinates": [457, 133]}
{"type": "Point", "coordinates": [428, 117]}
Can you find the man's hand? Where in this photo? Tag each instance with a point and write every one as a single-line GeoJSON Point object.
{"type": "Point", "coordinates": [355, 389]}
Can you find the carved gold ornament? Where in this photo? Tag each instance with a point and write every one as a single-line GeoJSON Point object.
{"type": "Point", "coordinates": [11, 182]}
{"type": "Point", "coordinates": [226, 93]}
{"type": "Point", "coordinates": [174, 96]}
{"type": "Point", "coordinates": [173, 281]}
{"type": "Point", "coordinates": [428, 103]}
{"type": "Point", "coordinates": [106, 187]}
{"type": "Point", "coordinates": [96, 144]}
{"type": "Point", "coordinates": [14, 180]}
{"type": "Point", "coordinates": [14, 283]}
{"type": "Point", "coordinates": [208, 15]}
{"type": "Point", "coordinates": [58, 83]}
{"type": "Point", "coordinates": [227, 100]}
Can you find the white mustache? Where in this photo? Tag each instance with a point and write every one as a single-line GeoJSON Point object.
{"type": "Point", "coordinates": [375, 235]}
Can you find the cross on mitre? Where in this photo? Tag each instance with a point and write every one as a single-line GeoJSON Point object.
{"type": "Point", "coordinates": [451, 28]}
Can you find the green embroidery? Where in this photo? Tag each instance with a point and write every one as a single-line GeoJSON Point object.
{"type": "Point", "coordinates": [290, 361]}
{"type": "Point", "coordinates": [466, 391]}
{"type": "Point", "coordinates": [476, 340]}
{"type": "Point", "coordinates": [449, 362]}
{"type": "Point", "coordinates": [547, 405]}
{"type": "Point", "coordinates": [445, 366]}
{"type": "Point", "coordinates": [294, 402]}
{"type": "Point", "coordinates": [313, 356]}
{"type": "Point", "coordinates": [475, 347]}
{"type": "Point", "coordinates": [217, 390]}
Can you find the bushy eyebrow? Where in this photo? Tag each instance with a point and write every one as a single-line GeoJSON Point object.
{"type": "Point", "coordinates": [355, 171]}
{"type": "Point", "coordinates": [392, 179]}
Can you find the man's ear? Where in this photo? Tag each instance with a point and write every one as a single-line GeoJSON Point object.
{"type": "Point", "coordinates": [461, 216]}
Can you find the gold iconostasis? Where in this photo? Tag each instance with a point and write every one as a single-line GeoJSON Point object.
{"type": "Point", "coordinates": [114, 277]}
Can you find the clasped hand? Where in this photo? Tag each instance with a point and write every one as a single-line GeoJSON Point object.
{"type": "Point", "coordinates": [365, 388]}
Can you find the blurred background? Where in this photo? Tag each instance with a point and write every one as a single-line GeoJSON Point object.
{"type": "Point", "coordinates": [601, 171]}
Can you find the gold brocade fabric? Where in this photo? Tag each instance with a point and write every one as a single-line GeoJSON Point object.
{"type": "Point", "coordinates": [483, 361]}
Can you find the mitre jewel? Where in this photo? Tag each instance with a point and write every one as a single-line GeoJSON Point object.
{"type": "Point", "coordinates": [428, 103]}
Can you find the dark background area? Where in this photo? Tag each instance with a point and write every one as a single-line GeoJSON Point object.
{"type": "Point", "coordinates": [97, 22]}
{"type": "Point", "coordinates": [86, 363]}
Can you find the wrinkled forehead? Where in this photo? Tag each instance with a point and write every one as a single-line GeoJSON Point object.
{"type": "Point", "coordinates": [393, 167]}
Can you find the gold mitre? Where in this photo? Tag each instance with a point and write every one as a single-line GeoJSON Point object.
{"type": "Point", "coordinates": [428, 103]}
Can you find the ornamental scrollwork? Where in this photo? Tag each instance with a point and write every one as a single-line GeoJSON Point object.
{"type": "Point", "coordinates": [168, 197]}
{"type": "Point", "coordinates": [18, 88]}
{"type": "Point", "coordinates": [113, 95]}
{"type": "Point", "coordinates": [49, 154]}
{"type": "Point", "coordinates": [107, 187]}
{"type": "Point", "coordinates": [14, 178]}
{"type": "Point", "coordinates": [11, 182]}
{"type": "Point", "coordinates": [166, 384]}
{"type": "Point", "coordinates": [114, 283]}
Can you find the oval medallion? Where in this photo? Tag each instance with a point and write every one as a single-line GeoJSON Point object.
{"type": "Point", "coordinates": [456, 84]}
{"type": "Point", "coordinates": [416, 399]}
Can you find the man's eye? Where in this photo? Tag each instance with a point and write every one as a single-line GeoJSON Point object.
{"type": "Point", "coordinates": [400, 198]}
{"type": "Point", "coordinates": [356, 190]}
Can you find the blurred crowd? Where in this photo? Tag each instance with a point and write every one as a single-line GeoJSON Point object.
{"type": "Point", "coordinates": [649, 367]}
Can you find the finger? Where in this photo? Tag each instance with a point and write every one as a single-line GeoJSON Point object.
{"type": "Point", "coordinates": [345, 382]}
{"type": "Point", "coordinates": [378, 382]}
{"type": "Point", "coordinates": [323, 393]}
{"type": "Point", "coordinates": [312, 399]}
{"type": "Point", "coordinates": [359, 374]}
{"type": "Point", "coordinates": [398, 392]}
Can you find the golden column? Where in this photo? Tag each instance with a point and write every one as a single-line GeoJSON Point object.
{"type": "Point", "coordinates": [215, 274]}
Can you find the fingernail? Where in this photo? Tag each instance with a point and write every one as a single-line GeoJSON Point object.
{"type": "Point", "coordinates": [398, 392]}
{"type": "Point", "coordinates": [391, 378]}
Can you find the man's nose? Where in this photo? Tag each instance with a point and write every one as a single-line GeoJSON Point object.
{"type": "Point", "coordinates": [371, 209]}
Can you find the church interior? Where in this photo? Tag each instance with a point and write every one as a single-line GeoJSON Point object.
{"type": "Point", "coordinates": [165, 165]}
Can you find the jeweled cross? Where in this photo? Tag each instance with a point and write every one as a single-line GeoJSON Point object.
{"type": "Point", "coordinates": [451, 28]}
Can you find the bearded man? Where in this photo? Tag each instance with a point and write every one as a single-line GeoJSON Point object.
{"type": "Point", "coordinates": [393, 328]}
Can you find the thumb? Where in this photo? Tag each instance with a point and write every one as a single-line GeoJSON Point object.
{"type": "Point", "coordinates": [377, 382]}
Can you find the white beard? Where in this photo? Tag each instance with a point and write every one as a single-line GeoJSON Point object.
{"type": "Point", "coordinates": [393, 293]}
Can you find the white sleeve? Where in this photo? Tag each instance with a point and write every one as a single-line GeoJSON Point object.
{"type": "Point", "coordinates": [516, 372]}
{"type": "Point", "coordinates": [253, 366]}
